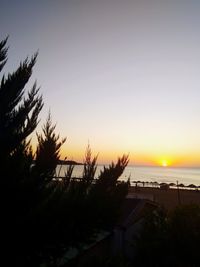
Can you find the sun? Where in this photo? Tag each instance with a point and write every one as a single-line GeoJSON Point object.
{"type": "Point", "coordinates": [164, 163]}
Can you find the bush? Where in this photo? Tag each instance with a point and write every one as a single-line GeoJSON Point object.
{"type": "Point", "coordinates": [42, 216]}
{"type": "Point", "coordinates": [170, 239]}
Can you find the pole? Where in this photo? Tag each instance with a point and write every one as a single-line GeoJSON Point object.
{"type": "Point", "coordinates": [178, 192]}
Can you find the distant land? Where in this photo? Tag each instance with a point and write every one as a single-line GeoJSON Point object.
{"type": "Point", "coordinates": [69, 162]}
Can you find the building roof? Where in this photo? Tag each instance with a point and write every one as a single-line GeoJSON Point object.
{"type": "Point", "coordinates": [134, 209]}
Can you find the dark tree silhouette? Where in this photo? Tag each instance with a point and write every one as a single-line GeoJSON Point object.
{"type": "Point", "coordinates": [90, 166]}
{"type": "Point", "coordinates": [108, 193]}
{"type": "Point", "coordinates": [40, 214]}
{"type": "Point", "coordinates": [109, 176]}
{"type": "Point", "coordinates": [48, 151]}
{"type": "Point", "coordinates": [3, 53]}
{"type": "Point", "coordinates": [18, 111]}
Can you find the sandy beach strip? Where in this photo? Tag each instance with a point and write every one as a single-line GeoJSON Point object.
{"type": "Point", "coordinates": [169, 198]}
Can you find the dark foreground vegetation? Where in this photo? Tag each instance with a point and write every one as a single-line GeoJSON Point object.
{"type": "Point", "coordinates": [169, 238]}
{"type": "Point", "coordinates": [165, 239]}
{"type": "Point", "coordinates": [41, 216]}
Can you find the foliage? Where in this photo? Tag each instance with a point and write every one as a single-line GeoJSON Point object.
{"type": "Point", "coordinates": [83, 207]}
{"type": "Point", "coordinates": [21, 193]}
{"type": "Point", "coordinates": [41, 215]}
{"type": "Point", "coordinates": [47, 153]}
{"type": "Point", "coordinates": [90, 166]}
{"type": "Point", "coordinates": [18, 115]}
{"type": "Point", "coordinates": [3, 53]}
{"type": "Point", "coordinates": [170, 239]}
{"type": "Point", "coordinates": [108, 192]}
{"type": "Point", "coordinates": [18, 118]}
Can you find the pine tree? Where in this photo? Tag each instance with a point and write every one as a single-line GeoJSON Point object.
{"type": "Point", "coordinates": [48, 151]}
{"type": "Point", "coordinates": [3, 53]}
{"type": "Point", "coordinates": [18, 110]}
{"type": "Point", "coordinates": [39, 215]}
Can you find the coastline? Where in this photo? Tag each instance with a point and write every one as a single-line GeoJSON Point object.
{"type": "Point", "coordinates": [169, 198]}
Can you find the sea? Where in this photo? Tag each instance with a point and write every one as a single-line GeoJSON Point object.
{"type": "Point", "coordinates": [149, 175]}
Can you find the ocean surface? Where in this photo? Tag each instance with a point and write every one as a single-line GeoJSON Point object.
{"type": "Point", "coordinates": [185, 176]}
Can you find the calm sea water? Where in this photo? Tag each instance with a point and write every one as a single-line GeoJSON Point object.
{"type": "Point", "coordinates": [148, 174]}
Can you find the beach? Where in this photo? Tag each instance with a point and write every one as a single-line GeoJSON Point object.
{"type": "Point", "coordinates": [169, 198]}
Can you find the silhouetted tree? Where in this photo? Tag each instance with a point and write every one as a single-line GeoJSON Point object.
{"type": "Point", "coordinates": [68, 175]}
{"type": "Point", "coordinates": [18, 113]}
{"type": "Point", "coordinates": [46, 193]}
{"type": "Point", "coordinates": [109, 176]}
{"type": "Point", "coordinates": [108, 193]}
{"type": "Point", "coordinates": [90, 166]}
{"type": "Point", "coordinates": [41, 215]}
{"type": "Point", "coordinates": [48, 151]}
{"type": "Point", "coordinates": [3, 53]}
{"type": "Point", "coordinates": [88, 206]}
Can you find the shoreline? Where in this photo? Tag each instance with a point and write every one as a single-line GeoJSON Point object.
{"type": "Point", "coordinates": [169, 198]}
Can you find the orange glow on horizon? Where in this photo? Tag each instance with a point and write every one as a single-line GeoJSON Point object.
{"type": "Point", "coordinates": [106, 157]}
{"type": "Point", "coordinates": [143, 158]}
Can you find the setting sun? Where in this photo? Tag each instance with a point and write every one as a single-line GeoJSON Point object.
{"type": "Point", "coordinates": [164, 163]}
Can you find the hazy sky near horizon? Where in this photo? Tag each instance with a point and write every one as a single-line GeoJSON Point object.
{"type": "Point", "coordinates": [123, 75]}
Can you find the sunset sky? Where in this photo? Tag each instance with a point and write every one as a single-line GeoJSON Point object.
{"type": "Point", "coordinates": [123, 75]}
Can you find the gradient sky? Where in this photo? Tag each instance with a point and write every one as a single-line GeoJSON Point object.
{"type": "Point", "coordinates": [123, 75]}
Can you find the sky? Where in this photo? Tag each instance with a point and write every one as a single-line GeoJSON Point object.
{"type": "Point", "coordinates": [122, 75]}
